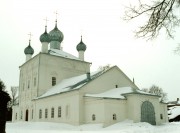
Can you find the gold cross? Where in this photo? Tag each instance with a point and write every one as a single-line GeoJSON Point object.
{"type": "Point", "coordinates": [30, 35]}
{"type": "Point", "coordinates": [56, 14]}
{"type": "Point", "coordinates": [46, 20]}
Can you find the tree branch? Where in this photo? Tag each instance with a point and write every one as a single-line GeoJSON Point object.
{"type": "Point", "coordinates": [161, 16]}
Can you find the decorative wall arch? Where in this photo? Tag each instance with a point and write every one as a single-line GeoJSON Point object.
{"type": "Point", "coordinates": [148, 113]}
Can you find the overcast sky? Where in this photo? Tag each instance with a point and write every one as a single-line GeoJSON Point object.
{"type": "Point", "coordinates": [108, 38]}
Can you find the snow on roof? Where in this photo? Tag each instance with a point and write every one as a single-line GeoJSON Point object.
{"type": "Point", "coordinates": [113, 93]}
{"type": "Point", "coordinates": [118, 93]}
{"type": "Point", "coordinates": [177, 102]}
{"type": "Point", "coordinates": [61, 53]}
{"type": "Point", "coordinates": [174, 112]}
{"type": "Point", "coordinates": [70, 84]}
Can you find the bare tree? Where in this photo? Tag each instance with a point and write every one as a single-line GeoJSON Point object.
{"type": "Point", "coordinates": [14, 95]}
{"type": "Point", "coordinates": [177, 50]}
{"type": "Point", "coordinates": [161, 14]}
{"type": "Point", "coordinates": [157, 91]}
{"type": "Point", "coordinates": [103, 68]}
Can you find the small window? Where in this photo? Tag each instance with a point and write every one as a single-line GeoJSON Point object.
{"type": "Point", "coordinates": [114, 116]}
{"type": "Point", "coordinates": [93, 117]}
{"type": "Point", "coordinates": [40, 114]}
{"type": "Point", "coordinates": [161, 116]}
{"type": "Point", "coordinates": [46, 113]}
{"type": "Point", "coordinates": [53, 81]}
{"type": "Point", "coordinates": [59, 111]}
{"type": "Point", "coordinates": [52, 112]}
{"type": "Point", "coordinates": [16, 116]}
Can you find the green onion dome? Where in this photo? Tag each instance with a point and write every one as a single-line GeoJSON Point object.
{"type": "Point", "coordinates": [81, 46]}
{"type": "Point", "coordinates": [45, 36]}
{"type": "Point", "coordinates": [29, 49]}
{"type": "Point", "coordinates": [56, 34]}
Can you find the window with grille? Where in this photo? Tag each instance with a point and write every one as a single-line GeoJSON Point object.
{"type": "Point", "coordinates": [46, 113]}
{"type": "Point", "coordinates": [53, 81]}
{"type": "Point", "coordinates": [40, 114]}
{"type": "Point", "coordinates": [52, 112]}
{"type": "Point", "coordinates": [59, 111]}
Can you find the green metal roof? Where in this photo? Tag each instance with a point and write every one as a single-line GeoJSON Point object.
{"type": "Point", "coordinates": [29, 49]}
{"type": "Point", "coordinates": [56, 34]}
{"type": "Point", "coordinates": [81, 46]}
{"type": "Point", "coordinates": [45, 36]}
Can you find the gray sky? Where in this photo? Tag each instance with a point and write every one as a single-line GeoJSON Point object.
{"type": "Point", "coordinates": [109, 40]}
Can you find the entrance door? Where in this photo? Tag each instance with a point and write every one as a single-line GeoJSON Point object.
{"type": "Point", "coordinates": [147, 113]}
{"type": "Point", "coordinates": [26, 119]}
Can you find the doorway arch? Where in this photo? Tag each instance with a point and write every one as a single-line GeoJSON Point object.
{"type": "Point", "coordinates": [148, 113]}
{"type": "Point", "coordinates": [26, 118]}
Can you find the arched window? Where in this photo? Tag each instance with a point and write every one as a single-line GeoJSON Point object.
{"type": "Point", "coordinates": [93, 117]}
{"type": "Point", "coordinates": [114, 116]}
{"type": "Point", "coordinates": [40, 114]}
{"type": "Point", "coordinates": [52, 112]}
{"type": "Point", "coordinates": [46, 113]}
{"type": "Point", "coordinates": [53, 81]}
{"type": "Point", "coordinates": [59, 111]}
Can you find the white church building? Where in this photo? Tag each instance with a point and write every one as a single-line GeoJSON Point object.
{"type": "Point", "coordinates": [55, 86]}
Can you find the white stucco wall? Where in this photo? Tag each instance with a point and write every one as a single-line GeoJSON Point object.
{"type": "Point", "coordinates": [15, 113]}
{"type": "Point", "coordinates": [28, 84]}
{"type": "Point", "coordinates": [163, 111]}
{"type": "Point", "coordinates": [134, 102]}
{"type": "Point", "coordinates": [108, 81]}
{"type": "Point", "coordinates": [69, 103]}
{"type": "Point", "coordinates": [104, 110]}
{"type": "Point", "coordinates": [117, 107]}
{"type": "Point", "coordinates": [36, 78]}
{"type": "Point", "coordinates": [75, 108]}
{"type": "Point", "coordinates": [94, 106]}
{"type": "Point", "coordinates": [59, 67]}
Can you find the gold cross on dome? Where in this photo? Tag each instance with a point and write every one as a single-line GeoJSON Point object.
{"type": "Point", "coordinates": [56, 14]}
{"type": "Point", "coordinates": [46, 20]}
{"type": "Point", "coordinates": [30, 35]}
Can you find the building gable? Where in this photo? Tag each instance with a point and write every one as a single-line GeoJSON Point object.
{"type": "Point", "coordinates": [112, 78]}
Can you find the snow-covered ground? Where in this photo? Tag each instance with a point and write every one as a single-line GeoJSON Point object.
{"type": "Point", "coordinates": [122, 127]}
